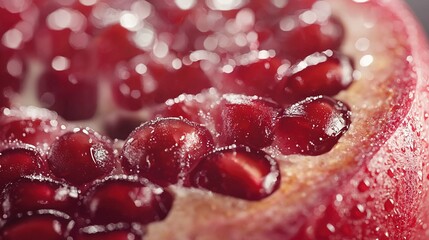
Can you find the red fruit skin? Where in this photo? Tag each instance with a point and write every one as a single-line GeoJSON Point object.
{"type": "Point", "coordinates": [380, 186]}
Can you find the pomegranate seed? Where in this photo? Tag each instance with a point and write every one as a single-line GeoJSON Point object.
{"type": "Point", "coordinates": [171, 83]}
{"type": "Point", "coordinates": [165, 150]}
{"type": "Point", "coordinates": [312, 126]}
{"type": "Point", "coordinates": [254, 78]}
{"type": "Point", "coordinates": [81, 156]}
{"type": "Point", "coordinates": [238, 172]}
{"type": "Point", "coordinates": [48, 225]}
{"type": "Point", "coordinates": [19, 161]}
{"type": "Point", "coordinates": [128, 89]}
{"type": "Point", "coordinates": [126, 199]}
{"type": "Point", "coordinates": [36, 193]}
{"type": "Point", "coordinates": [72, 96]}
{"type": "Point", "coordinates": [318, 74]}
{"type": "Point", "coordinates": [191, 107]}
{"type": "Point", "coordinates": [37, 132]}
{"type": "Point", "coordinates": [306, 39]}
{"type": "Point", "coordinates": [245, 120]}
{"type": "Point", "coordinates": [12, 73]}
{"type": "Point", "coordinates": [113, 45]}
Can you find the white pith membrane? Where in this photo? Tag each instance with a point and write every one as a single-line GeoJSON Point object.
{"type": "Point", "coordinates": [378, 52]}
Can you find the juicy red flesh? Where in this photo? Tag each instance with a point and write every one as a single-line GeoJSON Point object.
{"type": "Point", "coordinates": [126, 199]}
{"type": "Point", "coordinates": [42, 226]}
{"type": "Point", "coordinates": [18, 162]}
{"type": "Point", "coordinates": [245, 120]}
{"type": "Point", "coordinates": [81, 156]}
{"type": "Point", "coordinates": [238, 172]}
{"type": "Point", "coordinates": [165, 150]}
{"type": "Point", "coordinates": [37, 193]}
{"type": "Point", "coordinates": [72, 96]}
{"type": "Point", "coordinates": [312, 126]}
{"type": "Point", "coordinates": [324, 73]}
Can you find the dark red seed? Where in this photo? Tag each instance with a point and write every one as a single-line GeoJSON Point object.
{"type": "Point", "coordinates": [126, 199]}
{"type": "Point", "coordinates": [257, 77]}
{"type": "Point", "coordinates": [19, 161]}
{"type": "Point", "coordinates": [298, 39]}
{"type": "Point", "coordinates": [72, 96]}
{"type": "Point", "coordinates": [81, 156]}
{"type": "Point", "coordinates": [171, 83]}
{"type": "Point", "coordinates": [49, 225]}
{"type": "Point", "coordinates": [36, 193]}
{"type": "Point", "coordinates": [113, 45]}
{"type": "Point", "coordinates": [238, 172]}
{"type": "Point", "coordinates": [37, 132]}
{"type": "Point", "coordinates": [165, 150]}
{"type": "Point", "coordinates": [245, 120]}
{"type": "Point", "coordinates": [191, 107]}
{"type": "Point", "coordinates": [129, 90]}
{"type": "Point", "coordinates": [312, 126]}
{"type": "Point", "coordinates": [325, 73]}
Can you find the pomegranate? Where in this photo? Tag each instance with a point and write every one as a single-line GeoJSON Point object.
{"type": "Point", "coordinates": [242, 119]}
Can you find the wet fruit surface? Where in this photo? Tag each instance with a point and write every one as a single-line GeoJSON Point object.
{"type": "Point", "coordinates": [212, 120]}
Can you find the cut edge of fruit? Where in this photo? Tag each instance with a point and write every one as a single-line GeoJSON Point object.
{"type": "Point", "coordinates": [308, 181]}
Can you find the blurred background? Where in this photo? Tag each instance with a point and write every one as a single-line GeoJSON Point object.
{"type": "Point", "coordinates": [421, 8]}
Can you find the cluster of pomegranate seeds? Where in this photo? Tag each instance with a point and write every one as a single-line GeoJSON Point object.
{"type": "Point", "coordinates": [201, 91]}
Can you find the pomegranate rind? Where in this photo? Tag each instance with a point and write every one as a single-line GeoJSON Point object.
{"type": "Point", "coordinates": [373, 184]}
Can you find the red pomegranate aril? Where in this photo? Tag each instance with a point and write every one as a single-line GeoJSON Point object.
{"type": "Point", "coordinates": [114, 44]}
{"type": "Point", "coordinates": [126, 199]}
{"type": "Point", "coordinates": [73, 96]}
{"type": "Point", "coordinates": [20, 161]}
{"type": "Point", "coordinates": [165, 150]}
{"type": "Point", "coordinates": [191, 107]}
{"type": "Point", "coordinates": [298, 39]}
{"type": "Point", "coordinates": [238, 172]}
{"type": "Point", "coordinates": [46, 225]}
{"type": "Point", "coordinates": [81, 156]}
{"type": "Point", "coordinates": [255, 78]}
{"type": "Point", "coordinates": [36, 193]}
{"type": "Point", "coordinates": [171, 83]}
{"type": "Point", "coordinates": [312, 126]}
{"type": "Point", "coordinates": [129, 90]}
{"type": "Point", "coordinates": [37, 132]}
{"type": "Point", "coordinates": [245, 120]}
{"type": "Point", "coordinates": [325, 73]}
